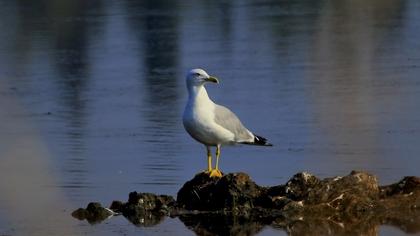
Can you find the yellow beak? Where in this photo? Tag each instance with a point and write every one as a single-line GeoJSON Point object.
{"type": "Point", "coordinates": [212, 79]}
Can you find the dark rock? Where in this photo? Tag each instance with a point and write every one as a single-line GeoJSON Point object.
{"type": "Point", "coordinates": [94, 213]}
{"type": "Point", "coordinates": [117, 206]}
{"type": "Point", "coordinates": [232, 192]}
{"type": "Point", "coordinates": [237, 192]}
{"type": "Point", "coordinates": [147, 209]}
{"type": "Point", "coordinates": [300, 185]}
{"type": "Point", "coordinates": [407, 185]}
{"type": "Point", "coordinates": [350, 194]}
{"type": "Point", "coordinates": [150, 201]}
{"type": "Point", "coordinates": [197, 193]}
{"type": "Point", "coordinates": [305, 205]}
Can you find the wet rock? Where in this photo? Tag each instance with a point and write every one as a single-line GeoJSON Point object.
{"type": "Point", "coordinates": [117, 206]}
{"type": "Point", "coordinates": [356, 192]}
{"type": "Point", "coordinates": [233, 192]}
{"type": "Point", "coordinates": [352, 194]}
{"type": "Point", "coordinates": [94, 213]}
{"type": "Point", "coordinates": [300, 185]}
{"type": "Point", "coordinates": [305, 205]}
{"type": "Point", "coordinates": [146, 209]}
{"type": "Point", "coordinates": [150, 201]}
{"type": "Point", "coordinates": [407, 185]}
{"type": "Point", "coordinates": [401, 199]}
{"type": "Point", "coordinates": [352, 204]}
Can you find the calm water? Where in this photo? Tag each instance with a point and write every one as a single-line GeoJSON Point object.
{"type": "Point", "coordinates": [92, 95]}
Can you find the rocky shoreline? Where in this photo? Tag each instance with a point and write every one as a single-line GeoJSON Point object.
{"type": "Point", "coordinates": [234, 204]}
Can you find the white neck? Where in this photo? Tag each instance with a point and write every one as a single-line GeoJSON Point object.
{"type": "Point", "coordinates": [198, 94]}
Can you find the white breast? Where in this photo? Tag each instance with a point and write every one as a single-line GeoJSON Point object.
{"type": "Point", "coordinates": [199, 122]}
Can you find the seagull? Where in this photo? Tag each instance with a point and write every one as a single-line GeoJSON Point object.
{"type": "Point", "coordinates": [212, 124]}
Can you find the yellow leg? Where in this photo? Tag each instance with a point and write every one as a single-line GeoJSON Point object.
{"type": "Point", "coordinates": [209, 168]}
{"type": "Point", "coordinates": [217, 156]}
{"type": "Point", "coordinates": [216, 172]}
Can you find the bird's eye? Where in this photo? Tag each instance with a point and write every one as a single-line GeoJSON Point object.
{"type": "Point", "coordinates": [197, 74]}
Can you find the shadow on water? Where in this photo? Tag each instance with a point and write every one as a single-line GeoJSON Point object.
{"type": "Point", "coordinates": [155, 25]}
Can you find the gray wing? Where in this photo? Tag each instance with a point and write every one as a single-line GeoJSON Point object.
{"type": "Point", "coordinates": [228, 120]}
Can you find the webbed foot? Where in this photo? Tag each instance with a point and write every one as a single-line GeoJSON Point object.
{"type": "Point", "coordinates": [215, 173]}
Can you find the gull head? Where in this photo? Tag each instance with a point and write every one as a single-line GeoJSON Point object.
{"type": "Point", "coordinates": [198, 77]}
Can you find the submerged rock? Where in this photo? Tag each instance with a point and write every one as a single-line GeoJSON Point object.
{"type": "Point", "coordinates": [223, 206]}
{"type": "Point", "coordinates": [94, 213]}
{"type": "Point", "coordinates": [145, 209]}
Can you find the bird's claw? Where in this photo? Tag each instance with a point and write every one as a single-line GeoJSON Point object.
{"type": "Point", "coordinates": [215, 173]}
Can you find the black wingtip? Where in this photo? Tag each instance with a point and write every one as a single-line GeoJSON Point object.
{"type": "Point", "coordinates": [258, 140]}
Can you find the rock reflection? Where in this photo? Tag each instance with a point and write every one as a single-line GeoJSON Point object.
{"type": "Point", "coordinates": [214, 224]}
{"type": "Point", "coordinates": [351, 226]}
{"type": "Point", "coordinates": [219, 224]}
{"type": "Point", "coordinates": [147, 219]}
{"type": "Point", "coordinates": [227, 224]}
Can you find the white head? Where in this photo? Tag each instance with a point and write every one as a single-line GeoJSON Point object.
{"type": "Point", "coordinates": [198, 77]}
